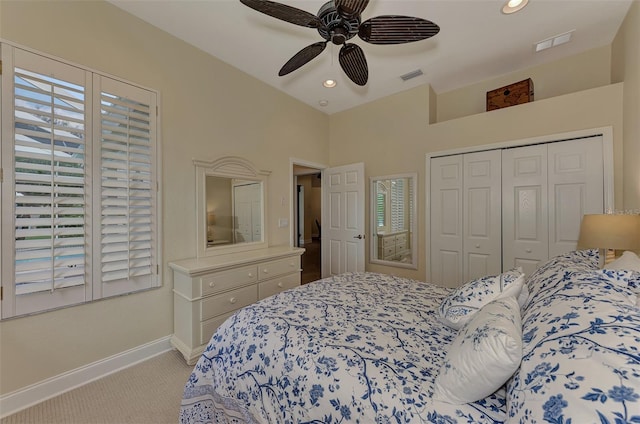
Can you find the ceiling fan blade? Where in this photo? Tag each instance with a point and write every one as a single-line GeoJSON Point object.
{"type": "Point", "coordinates": [393, 29]}
{"type": "Point", "coordinates": [286, 13]}
{"type": "Point", "coordinates": [302, 57]}
{"type": "Point", "coordinates": [350, 8]}
{"type": "Point", "coordinates": [353, 63]}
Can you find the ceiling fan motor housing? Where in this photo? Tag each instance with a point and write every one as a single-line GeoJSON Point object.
{"type": "Point", "coordinates": [336, 29]}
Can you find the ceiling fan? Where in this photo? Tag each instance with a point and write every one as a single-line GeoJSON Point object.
{"type": "Point", "coordinates": [338, 21]}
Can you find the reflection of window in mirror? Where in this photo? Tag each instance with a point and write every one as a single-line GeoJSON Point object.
{"type": "Point", "coordinates": [381, 205]}
{"type": "Point", "coordinates": [393, 223]}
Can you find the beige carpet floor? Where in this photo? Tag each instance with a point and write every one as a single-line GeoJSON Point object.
{"type": "Point", "coordinates": [146, 393]}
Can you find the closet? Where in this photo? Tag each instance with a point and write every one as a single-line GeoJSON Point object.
{"type": "Point", "coordinates": [510, 207]}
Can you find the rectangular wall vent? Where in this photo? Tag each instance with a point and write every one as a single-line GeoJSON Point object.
{"type": "Point", "coordinates": [411, 74]}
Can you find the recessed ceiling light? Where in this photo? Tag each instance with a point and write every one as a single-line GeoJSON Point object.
{"type": "Point", "coordinates": [513, 6]}
{"type": "Point", "coordinates": [329, 83]}
{"type": "Point", "coordinates": [323, 103]}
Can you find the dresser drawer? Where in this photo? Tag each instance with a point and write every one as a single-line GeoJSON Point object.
{"type": "Point", "coordinates": [400, 246]}
{"type": "Point", "coordinates": [278, 267]}
{"type": "Point", "coordinates": [389, 251]}
{"type": "Point", "coordinates": [401, 238]}
{"type": "Point", "coordinates": [226, 280]}
{"type": "Point", "coordinates": [227, 302]}
{"type": "Point", "coordinates": [271, 287]}
{"type": "Point", "coordinates": [208, 327]}
{"type": "Point", "coordinates": [388, 241]}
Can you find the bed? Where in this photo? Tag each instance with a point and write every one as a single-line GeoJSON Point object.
{"type": "Point", "coordinates": [374, 348]}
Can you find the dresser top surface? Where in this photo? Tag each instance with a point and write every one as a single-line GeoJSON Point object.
{"type": "Point", "coordinates": [195, 266]}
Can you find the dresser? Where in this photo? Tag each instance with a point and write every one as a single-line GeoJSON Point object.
{"type": "Point", "coordinates": [392, 246]}
{"type": "Point", "coordinates": [208, 290]}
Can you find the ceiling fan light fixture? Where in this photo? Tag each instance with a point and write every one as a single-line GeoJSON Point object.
{"type": "Point", "coordinates": [329, 83]}
{"type": "Point", "coordinates": [512, 6]}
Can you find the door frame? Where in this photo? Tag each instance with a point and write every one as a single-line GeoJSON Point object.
{"type": "Point", "coordinates": [607, 156]}
{"type": "Point", "coordinates": [293, 194]}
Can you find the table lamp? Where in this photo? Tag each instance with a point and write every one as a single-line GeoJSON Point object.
{"type": "Point", "coordinates": [609, 232]}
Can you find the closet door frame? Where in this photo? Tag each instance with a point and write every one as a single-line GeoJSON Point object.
{"type": "Point", "coordinates": [607, 157]}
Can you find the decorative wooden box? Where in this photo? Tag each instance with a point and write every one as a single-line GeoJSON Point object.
{"type": "Point", "coordinates": [510, 95]}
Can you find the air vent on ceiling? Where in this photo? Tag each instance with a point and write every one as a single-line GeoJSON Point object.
{"type": "Point", "coordinates": [411, 74]}
{"type": "Point", "coordinates": [553, 41]}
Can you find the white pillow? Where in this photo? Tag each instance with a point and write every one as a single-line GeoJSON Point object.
{"type": "Point", "coordinates": [629, 261]}
{"type": "Point", "coordinates": [484, 355]}
{"type": "Point", "coordinates": [458, 308]}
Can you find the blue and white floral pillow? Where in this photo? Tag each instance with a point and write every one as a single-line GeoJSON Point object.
{"type": "Point", "coordinates": [581, 353]}
{"type": "Point", "coordinates": [558, 270]}
{"type": "Point", "coordinates": [628, 267]}
{"type": "Point", "coordinates": [458, 308]}
{"type": "Point", "coordinates": [485, 353]}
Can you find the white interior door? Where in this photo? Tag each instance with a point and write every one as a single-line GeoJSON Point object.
{"type": "Point", "coordinates": [343, 210]}
{"type": "Point", "coordinates": [446, 220]}
{"type": "Point", "coordinates": [525, 207]}
{"type": "Point", "coordinates": [482, 214]}
{"type": "Point", "coordinates": [576, 187]}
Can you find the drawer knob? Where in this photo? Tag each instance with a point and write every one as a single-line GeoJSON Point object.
{"type": "Point", "coordinates": [291, 264]}
{"type": "Point", "coordinates": [233, 300]}
{"type": "Point", "coordinates": [528, 250]}
{"type": "Point", "coordinates": [477, 246]}
{"type": "Point", "coordinates": [212, 284]}
{"type": "Point", "coordinates": [266, 271]}
{"type": "Point", "coordinates": [280, 284]}
{"type": "Point", "coordinates": [251, 274]}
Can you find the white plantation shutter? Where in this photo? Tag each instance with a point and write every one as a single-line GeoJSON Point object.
{"type": "Point", "coordinates": [398, 211]}
{"type": "Point", "coordinates": [127, 187]}
{"type": "Point", "coordinates": [79, 198]}
{"type": "Point", "coordinates": [49, 160]}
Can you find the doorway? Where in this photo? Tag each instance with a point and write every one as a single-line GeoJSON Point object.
{"type": "Point", "coordinates": [307, 226]}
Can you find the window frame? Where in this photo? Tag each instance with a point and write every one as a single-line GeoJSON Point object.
{"type": "Point", "coordinates": [92, 256]}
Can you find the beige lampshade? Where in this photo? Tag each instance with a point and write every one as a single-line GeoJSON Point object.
{"type": "Point", "coordinates": [211, 218]}
{"type": "Point", "coordinates": [619, 232]}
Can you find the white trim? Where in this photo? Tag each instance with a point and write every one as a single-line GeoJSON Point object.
{"type": "Point", "coordinates": [607, 146]}
{"type": "Point", "coordinates": [57, 385]}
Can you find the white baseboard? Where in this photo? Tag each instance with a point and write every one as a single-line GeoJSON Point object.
{"type": "Point", "coordinates": [54, 386]}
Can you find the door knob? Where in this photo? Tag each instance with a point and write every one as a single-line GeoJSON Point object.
{"type": "Point", "coordinates": [359, 237]}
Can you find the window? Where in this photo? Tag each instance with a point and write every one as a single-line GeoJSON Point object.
{"type": "Point", "coordinates": [397, 205]}
{"type": "Point", "coordinates": [80, 193]}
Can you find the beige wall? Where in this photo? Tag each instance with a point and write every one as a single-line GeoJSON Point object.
{"type": "Point", "coordinates": [626, 67]}
{"type": "Point", "coordinates": [209, 109]}
{"type": "Point", "coordinates": [576, 73]}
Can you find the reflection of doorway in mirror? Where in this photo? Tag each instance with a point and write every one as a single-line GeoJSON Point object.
{"type": "Point", "coordinates": [247, 212]}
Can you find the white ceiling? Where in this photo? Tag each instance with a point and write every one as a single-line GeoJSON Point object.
{"type": "Point", "coordinates": [476, 42]}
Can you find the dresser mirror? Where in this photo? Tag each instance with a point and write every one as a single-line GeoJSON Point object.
{"type": "Point", "coordinates": [393, 220]}
{"type": "Point", "coordinates": [230, 206]}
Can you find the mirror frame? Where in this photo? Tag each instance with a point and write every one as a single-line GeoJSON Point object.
{"type": "Point", "coordinates": [373, 181]}
{"type": "Point", "coordinates": [229, 167]}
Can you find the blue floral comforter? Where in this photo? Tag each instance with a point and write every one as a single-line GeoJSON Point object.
{"type": "Point", "coordinates": [360, 347]}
